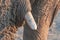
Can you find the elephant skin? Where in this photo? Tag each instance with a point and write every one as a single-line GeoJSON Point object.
{"type": "Point", "coordinates": [11, 17]}
{"type": "Point", "coordinates": [44, 12]}
{"type": "Point", "coordinates": [12, 14]}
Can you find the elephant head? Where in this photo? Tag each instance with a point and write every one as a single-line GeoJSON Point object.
{"type": "Point", "coordinates": [12, 15]}
{"type": "Point", "coordinates": [14, 12]}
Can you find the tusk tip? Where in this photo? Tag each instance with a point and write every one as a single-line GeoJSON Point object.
{"type": "Point", "coordinates": [30, 20]}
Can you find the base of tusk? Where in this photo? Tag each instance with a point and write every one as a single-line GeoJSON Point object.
{"type": "Point", "coordinates": [30, 20]}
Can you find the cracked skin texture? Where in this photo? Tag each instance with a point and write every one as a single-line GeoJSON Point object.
{"type": "Point", "coordinates": [10, 17]}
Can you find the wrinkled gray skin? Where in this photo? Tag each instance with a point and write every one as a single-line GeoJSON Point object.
{"type": "Point", "coordinates": [12, 13]}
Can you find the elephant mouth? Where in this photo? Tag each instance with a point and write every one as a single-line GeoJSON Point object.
{"type": "Point", "coordinates": [30, 21]}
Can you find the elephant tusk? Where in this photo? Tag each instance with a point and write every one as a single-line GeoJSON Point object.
{"type": "Point", "coordinates": [30, 21]}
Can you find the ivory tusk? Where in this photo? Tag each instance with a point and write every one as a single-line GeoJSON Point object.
{"type": "Point", "coordinates": [30, 20]}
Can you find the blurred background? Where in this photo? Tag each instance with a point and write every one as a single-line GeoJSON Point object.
{"type": "Point", "coordinates": [54, 31]}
